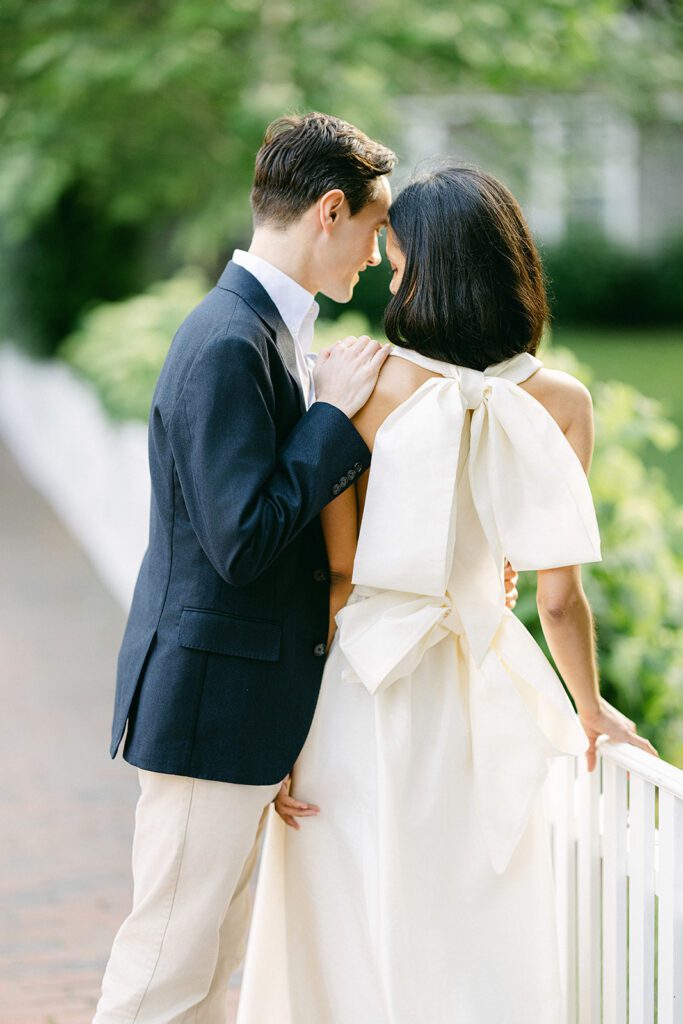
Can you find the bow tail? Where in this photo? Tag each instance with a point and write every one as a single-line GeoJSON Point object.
{"type": "Point", "coordinates": [519, 718]}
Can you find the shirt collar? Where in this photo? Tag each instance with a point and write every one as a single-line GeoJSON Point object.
{"type": "Point", "coordinates": [294, 304]}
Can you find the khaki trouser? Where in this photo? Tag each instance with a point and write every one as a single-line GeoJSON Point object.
{"type": "Point", "coordinates": [194, 851]}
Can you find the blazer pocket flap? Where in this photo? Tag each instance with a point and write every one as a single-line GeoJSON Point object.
{"type": "Point", "coordinates": [204, 630]}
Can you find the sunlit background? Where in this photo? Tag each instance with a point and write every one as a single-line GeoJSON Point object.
{"type": "Point", "coordinates": [127, 137]}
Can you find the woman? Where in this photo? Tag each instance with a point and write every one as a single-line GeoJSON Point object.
{"type": "Point", "coordinates": [422, 891]}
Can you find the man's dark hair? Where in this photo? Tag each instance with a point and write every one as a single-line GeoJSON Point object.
{"type": "Point", "coordinates": [305, 156]}
{"type": "Point", "coordinates": [472, 291]}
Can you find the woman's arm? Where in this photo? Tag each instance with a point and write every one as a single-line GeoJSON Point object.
{"type": "Point", "coordinates": [563, 608]}
{"type": "Point", "coordinates": [340, 529]}
{"type": "Point", "coordinates": [565, 614]}
{"type": "Point", "coordinates": [568, 627]}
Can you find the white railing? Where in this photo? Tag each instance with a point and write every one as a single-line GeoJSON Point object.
{"type": "Point", "coordinates": [617, 843]}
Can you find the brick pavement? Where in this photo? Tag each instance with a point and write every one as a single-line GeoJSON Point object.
{"type": "Point", "coordinates": [66, 810]}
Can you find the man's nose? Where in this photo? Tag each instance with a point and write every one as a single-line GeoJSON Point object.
{"type": "Point", "coordinates": [376, 257]}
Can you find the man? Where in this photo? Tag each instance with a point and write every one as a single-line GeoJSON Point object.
{"type": "Point", "coordinates": [224, 648]}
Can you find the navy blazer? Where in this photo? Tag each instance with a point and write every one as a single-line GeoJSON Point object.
{"type": "Point", "coordinates": [221, 661]}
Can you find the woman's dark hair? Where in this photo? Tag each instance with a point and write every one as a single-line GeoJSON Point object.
{"type": "Point", "coordinates": [472, 291]}
{"type": "Point", "coordinates": [305, 156]}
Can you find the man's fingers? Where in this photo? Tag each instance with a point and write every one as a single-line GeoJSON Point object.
{"type": "Point", "coordinates": [359, 345]}
{"type": "Point", "coordinates": [380, 355]}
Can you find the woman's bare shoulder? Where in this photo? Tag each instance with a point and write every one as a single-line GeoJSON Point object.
{"type": "Point", "coordinates": [397, 381]}
{"type": "Point", "coordinates": [565, 397]}
{"type": "Point", "coordinates": [569, 403]}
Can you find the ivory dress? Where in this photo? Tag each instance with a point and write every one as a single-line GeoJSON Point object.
{"type": "Point", "coordinates": [422, 893]}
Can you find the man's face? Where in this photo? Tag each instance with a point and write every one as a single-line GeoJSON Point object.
{"type": "Point", "coordinates": [353, 245]}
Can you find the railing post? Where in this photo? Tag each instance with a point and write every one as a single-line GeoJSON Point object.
{"type": "Point", "coordinates": [641, 904]}
{"type": "Point", "coordinates": [613, 893]}
{"type": "Point", "coordinates": [670, 918]}
{"type": "Point", "coordinates": [589, 894]}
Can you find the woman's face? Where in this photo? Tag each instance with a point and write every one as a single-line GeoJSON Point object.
{"type": "Point", "coordinates": [397, 261]}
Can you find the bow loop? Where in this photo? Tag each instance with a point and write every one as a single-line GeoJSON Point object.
{"type": "Point", "coordinates": [384, 634]}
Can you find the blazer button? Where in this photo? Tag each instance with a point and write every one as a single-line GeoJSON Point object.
{"type": "Point", "coordinates": [320, 650]}
{"type": "Point", "coordinates": [336, 490]}
{"type": "Point", "coordinates": [319, 575]}
{"type": "Point", "coordinates": [358, 467]}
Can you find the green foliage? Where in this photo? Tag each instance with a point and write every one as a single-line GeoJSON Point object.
{"type": "Point", "coordinates": [120, 346]}
{"type": "Point", "coordinates": [145, 117]}
{"type": "Point", "coordinates": [651, 361]}
{"type": "Point", "coordinates": [73, 259]}
{"type": "Point", "coordinates": [595, 281]}
{"type": "Point", "coordinates": [636, 592]}
{"type": "Point", "coordinates": [155, 110]}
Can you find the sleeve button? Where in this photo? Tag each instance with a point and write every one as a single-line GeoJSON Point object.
{"type": "Point", "coordinates": [320, 650]}
{"type": "Point", "coordinates": [358, 467]}
{"type": "Point", "coordinates": [336, 490]}
{"type": "Point", "coordinates": [343, 480]}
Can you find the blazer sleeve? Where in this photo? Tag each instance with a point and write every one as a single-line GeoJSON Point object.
{"type": "Point", "coordinates": [247, 498]}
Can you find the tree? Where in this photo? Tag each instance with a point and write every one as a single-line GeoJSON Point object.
{"type": "Point", "coordinates": [144, 115]}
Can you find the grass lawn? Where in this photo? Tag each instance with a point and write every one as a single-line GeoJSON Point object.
{"type": "Point", "coordinates": [650, 360]}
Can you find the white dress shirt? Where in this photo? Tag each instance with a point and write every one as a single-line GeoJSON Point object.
{"type": "Point", "coordinates": [296, 306]}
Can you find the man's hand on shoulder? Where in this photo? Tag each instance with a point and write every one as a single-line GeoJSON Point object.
{"type": "Point", "coordinates": [345, 374]}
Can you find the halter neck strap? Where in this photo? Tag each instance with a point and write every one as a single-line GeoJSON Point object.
{"type": "Point", "coordinates": [516, 369]}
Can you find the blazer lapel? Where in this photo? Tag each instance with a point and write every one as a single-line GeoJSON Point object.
{"type": "Point", "coordinates": [236, 279]}
{"type": "Point", "coordinates": [285, 345]}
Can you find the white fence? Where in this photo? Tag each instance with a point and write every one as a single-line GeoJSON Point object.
{"type": "Point", "coordinates": [616, 833]}
{"type": "Point", "coordinates": [92, 470]}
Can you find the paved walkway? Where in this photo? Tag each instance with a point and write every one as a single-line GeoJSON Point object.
{"type": "Point", "coordinates": [66, 810]}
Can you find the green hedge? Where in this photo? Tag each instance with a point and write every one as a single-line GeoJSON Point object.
{"type": "Point", "coordinates": [593, 281]}
{"type": "Point", "coordinates": [120, 346]}
{"type": "Point", "coordinates": [74, 259]}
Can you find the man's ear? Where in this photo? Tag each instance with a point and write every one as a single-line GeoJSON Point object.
{"type": "Point", "coordinates": [329, 208]}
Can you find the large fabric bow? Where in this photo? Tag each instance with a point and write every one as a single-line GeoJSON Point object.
{"type": "Point", "coordinates": [438, 521]}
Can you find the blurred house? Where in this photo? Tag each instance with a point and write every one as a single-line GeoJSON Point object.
{"type": "Point", "coordinates": [572, 160]}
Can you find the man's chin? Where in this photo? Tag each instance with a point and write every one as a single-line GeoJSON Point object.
{"type": "Point", "coordinates": [339, 295]}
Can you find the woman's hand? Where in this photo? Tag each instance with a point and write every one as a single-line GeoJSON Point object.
{"type": "Point", "coordinates": [511, 581]}
{"type": "Point", "coordinates": [290, 809]}
{"type": "Point", "coordinates": [606, 720]}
